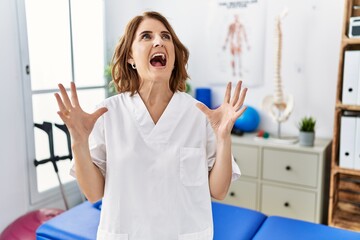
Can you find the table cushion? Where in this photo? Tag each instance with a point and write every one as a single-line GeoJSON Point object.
{"type": "Point", "coordinates": [235, 223]}
{"type": "Point", "coordinates": [80, 222]}
{"type": "Point", "coordinates": [281, 228]}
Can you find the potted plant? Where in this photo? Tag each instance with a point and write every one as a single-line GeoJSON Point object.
{"type": "Point", "coordinates": [307, 131]}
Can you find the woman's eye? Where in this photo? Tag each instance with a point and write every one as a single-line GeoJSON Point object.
{"type": "Point", "coordinates": [146, 36]}
{"type": "Point", "coordinates": [166, 36]}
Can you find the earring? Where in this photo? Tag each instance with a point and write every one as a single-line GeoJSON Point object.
{"type": "Point", "coordinates": [133, 65]}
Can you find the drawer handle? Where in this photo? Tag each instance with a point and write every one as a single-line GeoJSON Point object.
{"type": "Point", "coordinates": [288, 168]}
{"type": "Point", "coordinates": [232, 194]}
{"type": "Point", "coordinates": [286, 204]}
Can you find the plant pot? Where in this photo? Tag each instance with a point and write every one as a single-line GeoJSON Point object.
{"type": "Point", "coordinates": [307, 139]}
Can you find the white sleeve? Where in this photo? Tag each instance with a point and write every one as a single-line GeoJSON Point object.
{"type": "Point", "coordinates": [97, 147]}
{"type": "Point", "coordinates": [236, 173]}
{"type": "Point", "coordinates": [211, 153]}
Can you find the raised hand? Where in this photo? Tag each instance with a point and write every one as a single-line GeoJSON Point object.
{"type": "Point", "coordinates": [79, 123]}
{"type": "Point", "coordinates": [223, 118]}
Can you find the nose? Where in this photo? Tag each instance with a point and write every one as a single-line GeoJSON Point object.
{"type": "Point", "coordinates": [158, 42]}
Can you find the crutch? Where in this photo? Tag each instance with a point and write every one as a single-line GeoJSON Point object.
{"type": "Point", "coordinates": [47, 127]}
{"type": "Point", "coordinates": [63, 128]}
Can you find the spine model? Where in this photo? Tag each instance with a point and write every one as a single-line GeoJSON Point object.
{"type": "Point", "coordinates": [279, 106]}
{"type": "Point", "coordinates": [278, 91]}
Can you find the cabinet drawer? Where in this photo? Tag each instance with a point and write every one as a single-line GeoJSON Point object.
{"type": "Point", "coordinates": [290, 167]}
{"type": "Point", "coordinates": [288, 202]}
{"type": "Point", "coordinates": [242, 193]}
{"type": "Point", "coordinates": [247, 158]}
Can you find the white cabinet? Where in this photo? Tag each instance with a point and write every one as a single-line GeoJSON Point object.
{"type": "Point", "coordinates": [237, 197]}
{"type": "Point", "coordinates": [280, 179]}
{"type": "Point", "coordinates": [288, 202]}
{"type": "Point", "coordinates": [290, 167]}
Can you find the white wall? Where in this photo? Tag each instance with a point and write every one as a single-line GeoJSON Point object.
{"type": "Point", "coordinates": [311, 45]}
{"type": "Point", "coordinates": [13, 171]}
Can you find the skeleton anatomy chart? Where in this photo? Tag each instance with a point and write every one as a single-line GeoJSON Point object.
{"type": "Point", "coordinates": [235, 40]}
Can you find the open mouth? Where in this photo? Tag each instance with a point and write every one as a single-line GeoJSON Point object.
{"type": "Point", "coordinates": [158, 60]}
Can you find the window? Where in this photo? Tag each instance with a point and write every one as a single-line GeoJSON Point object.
{"type": "Point", "coordinates": [62, 41]}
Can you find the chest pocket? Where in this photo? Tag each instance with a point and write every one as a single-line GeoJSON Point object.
{"type": "Point", "coordinates": [193, 166]}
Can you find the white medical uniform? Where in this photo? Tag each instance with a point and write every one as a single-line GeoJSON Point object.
{"type": "Point", "coordinates": [156, 176]}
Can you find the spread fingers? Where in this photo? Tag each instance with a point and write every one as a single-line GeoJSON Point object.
{"type": "Point", "coordinates": [241, 99]}
{"type": "Point", "coordinates": [60, 102]}
{"type": "Point", "coordinates": [236, 93]}
{"type": "Point", "coordinates": [74, 97]}
{"type": "Point", "coordinates": [227, 93]}
{"type": "Point", "coordinates": [65, 97]}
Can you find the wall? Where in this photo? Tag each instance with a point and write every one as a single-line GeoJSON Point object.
{"type": "Point", "coordinates": [13, 171]}
{"type": "Point", "coordinates": [311, 45]}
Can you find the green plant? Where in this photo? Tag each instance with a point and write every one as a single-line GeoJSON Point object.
{"type": "Point", "coordinates": [108, 77]}
{"type": "Point", "coordinates": [307, 124]}
{"type": "Point", "coordinates": [188, 87]}
{"type": "Point", "coordinates": [107, 72]}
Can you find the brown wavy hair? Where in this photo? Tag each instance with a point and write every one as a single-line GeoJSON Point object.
{"type": "Point", "coordinates": [125, 78]}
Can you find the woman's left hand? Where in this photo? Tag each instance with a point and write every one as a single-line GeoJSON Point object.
{"type": "Point", "coordinates": [222, 119]}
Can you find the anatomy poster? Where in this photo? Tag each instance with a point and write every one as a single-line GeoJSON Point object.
{"type": "Point", "coordinates": [235, 41]}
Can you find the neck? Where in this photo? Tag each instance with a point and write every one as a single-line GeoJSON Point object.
{"type": "Point", "coordinates": [156, 97]}
{"type": "Point", "coordinates": [154, 93]}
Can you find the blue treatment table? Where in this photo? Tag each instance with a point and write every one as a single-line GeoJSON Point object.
{"type": "Point", "coordinates": [278, 228]}
{"type": "Point", "coordinates": [234, 222]}
{"type": "Point", "coordinates": [79, 222]}
{"type": "Point", "coordinates": [230, 223]}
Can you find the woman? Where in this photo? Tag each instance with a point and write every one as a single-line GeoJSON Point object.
{"type": "Point", "coordinates": [157, 156]}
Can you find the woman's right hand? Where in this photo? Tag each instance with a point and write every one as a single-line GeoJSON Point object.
{"type": "Point", "coordinates": [79, 123]}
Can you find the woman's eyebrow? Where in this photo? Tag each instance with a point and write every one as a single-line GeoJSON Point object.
{"type": "Point", "coordinates": [144, 32]}
{"type": "Point", "coordinates": [162, 32]}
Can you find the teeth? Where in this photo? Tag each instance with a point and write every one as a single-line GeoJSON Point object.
{"type": "Point", "coordinates": [158, 54]}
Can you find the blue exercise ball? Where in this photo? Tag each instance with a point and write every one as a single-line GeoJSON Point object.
{"type": "Point", "coordinates": [248, 121]}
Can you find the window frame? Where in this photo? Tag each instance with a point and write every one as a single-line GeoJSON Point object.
{"type": "Point", "coordinates": [70, 187]}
